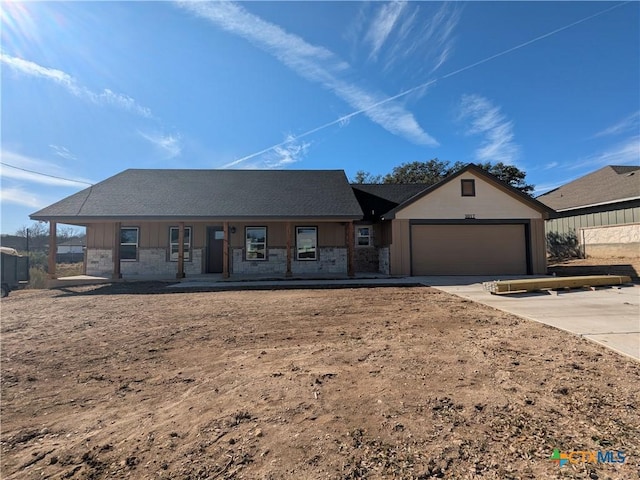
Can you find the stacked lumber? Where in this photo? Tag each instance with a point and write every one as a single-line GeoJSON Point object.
{"type": "Point", "coordinates": [536, 284]}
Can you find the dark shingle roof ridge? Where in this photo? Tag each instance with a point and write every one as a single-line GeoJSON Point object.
{"type": "Point", "coordinates": [624, 169]}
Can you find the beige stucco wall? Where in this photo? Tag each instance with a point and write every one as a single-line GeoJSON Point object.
{"type": "Point", "coordinates": [447, 202]}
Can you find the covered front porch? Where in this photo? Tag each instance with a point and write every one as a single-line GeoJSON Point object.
{"type": "Point", "coordinates": [160, 250]}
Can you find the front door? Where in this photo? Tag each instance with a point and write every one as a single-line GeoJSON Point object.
{"type": "Point", "coordinates": [215, 236]}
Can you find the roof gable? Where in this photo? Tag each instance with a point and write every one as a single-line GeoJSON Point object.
{"type": "Point", "coordinates": [607, 185]}
{"type": "Point", "coordinates": [173, 194]}
{"type": "Point", "coordinates": [473, 171]}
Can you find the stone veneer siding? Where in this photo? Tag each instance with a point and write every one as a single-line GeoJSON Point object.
{"type": "Point", "coordinates": [611, 240]}
{"type": "Point", "coordinates": [384, 265]}
{"type": "Point", "coordinates": [276, 263]}
{"type": "Point", "coordinates": [367, 259]}
{"type": "Point", "coordinates": [151, 261]}
{"type": "Point", "coordinates": [330, 260]}
{"type": "Point", "coordinates": [99, 262]}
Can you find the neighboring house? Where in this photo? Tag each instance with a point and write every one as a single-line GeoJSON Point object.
{"type": "Point", "coordinates": [602, 209]}
{"type": "Point", "coordinates": [289, 222]}
{"type": "Point", "coordinates": [70, 251]}
{"type": "Point", "coordinates": [71, 246]}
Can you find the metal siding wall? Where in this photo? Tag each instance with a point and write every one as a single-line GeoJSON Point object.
{"type": "Point", "coordinates": [575, 223]}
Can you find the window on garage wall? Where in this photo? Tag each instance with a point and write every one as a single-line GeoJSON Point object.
{"type": "Point", "coordinates": [468, 188]}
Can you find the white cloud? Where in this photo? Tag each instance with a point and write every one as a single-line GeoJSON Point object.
{"type": "Point", "coordinates": [19, 196]}
{"type": "Point", "coordinates": [106, 97]}
{"type": "Point", "coordinates": [62, 152]}
{"type": "Point", "coordinates": [169, 145]}
{"type": "Point", "coordinates": [291, 152]}
{"type": "Point", "coordinates": [487, 120]}
{"type": "Point", "coordinates": [626, 152]}
{"type": "Point", "coordinates": [400, 30]}
{"type": "Point", "coordinates": [314, 63]}
{"type": "Point", "coordinates": [33, 170]}
{"type": "Point", "coordinates": [382, 25]}
{"type": "Point", "coordinates": [628, 123]}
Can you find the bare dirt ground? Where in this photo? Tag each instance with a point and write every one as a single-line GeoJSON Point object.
{"type": "Point", "coordinates": [127, 381]}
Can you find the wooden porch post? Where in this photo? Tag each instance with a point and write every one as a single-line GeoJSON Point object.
{"type": "Point", "coordinates": [350, 251]}
{"type": "Point", "coordinates": [53, 250]}
{"type": "Point", "coordinates": [180, 273]}
{"type": "Point", "coordinates": [116, 250]}
{"type": "Point", "coordinates": [225, 250]}
{"type": "Point", "coordinates": [288, 233]}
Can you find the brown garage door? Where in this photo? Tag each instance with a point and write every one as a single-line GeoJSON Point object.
{"type": "Point", "coordinates": [468, 250]}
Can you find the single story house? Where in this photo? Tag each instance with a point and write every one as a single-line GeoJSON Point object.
{"type": "Point", "coordinates": [602, 209]}
{"type": "Point", "coordinates": [289, 222]}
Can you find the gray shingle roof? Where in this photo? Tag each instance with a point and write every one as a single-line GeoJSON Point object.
{"type": "Point", "coordinates": [174, 194]}
{"type": "Point", "coordinates": [607, 185]}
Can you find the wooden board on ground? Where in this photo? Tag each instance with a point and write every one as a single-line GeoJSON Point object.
{"type": "Point", "coordinates": [536, 284]}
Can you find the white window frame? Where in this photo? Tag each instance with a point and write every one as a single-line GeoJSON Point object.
{"type": "Point", "coordinates": [314, 247]}
{"type": "Point", "coordinates": [136, 244]}
{"type": "Point", "coordinates": [368, 236]}
{"type": "Point", "coordinates": [249, 245]}
{"type": "Point", "coordinates": [173, 257]}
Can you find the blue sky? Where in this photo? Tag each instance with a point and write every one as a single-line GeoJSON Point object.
{"type": "Point", "coordinates": [90, 89]}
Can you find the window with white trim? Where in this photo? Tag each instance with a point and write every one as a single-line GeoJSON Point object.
{"type": "Point", "coordinates": [306, 243]}
{"type": "Point", "coordinates": [129, 243]}
{"type": "Point", "coordinates": [256, 243]}
{"type": "Point", "coordinates": [174, 235]}
{"type": "Point", "coordinates": [364, 236]}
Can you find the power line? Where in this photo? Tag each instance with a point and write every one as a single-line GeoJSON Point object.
{"type": "Point", "coordinates": [46, 174]}
{"type": "Point", "coordinates": [426, 84]}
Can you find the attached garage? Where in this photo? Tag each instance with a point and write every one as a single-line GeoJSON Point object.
{"type": "Point", "coordinates": [463, 249]}
{"type": "Point", "coordinates": [471, 223]}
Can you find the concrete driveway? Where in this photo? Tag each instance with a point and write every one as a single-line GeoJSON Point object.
{"type": "Point", "coordinates": [609, 316]}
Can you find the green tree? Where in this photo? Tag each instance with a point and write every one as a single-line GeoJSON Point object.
{"type": "Point", "coordinates": [429, 172]}
{"type": "Point", "coordinates": [509, 174]}
{"type": "Point", "coordinates": [434, 170]}
{"type": "Point", "coordinates": [366, 177]}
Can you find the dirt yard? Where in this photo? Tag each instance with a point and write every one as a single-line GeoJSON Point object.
{"type": "Point", "coordinates": [128, 381]}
